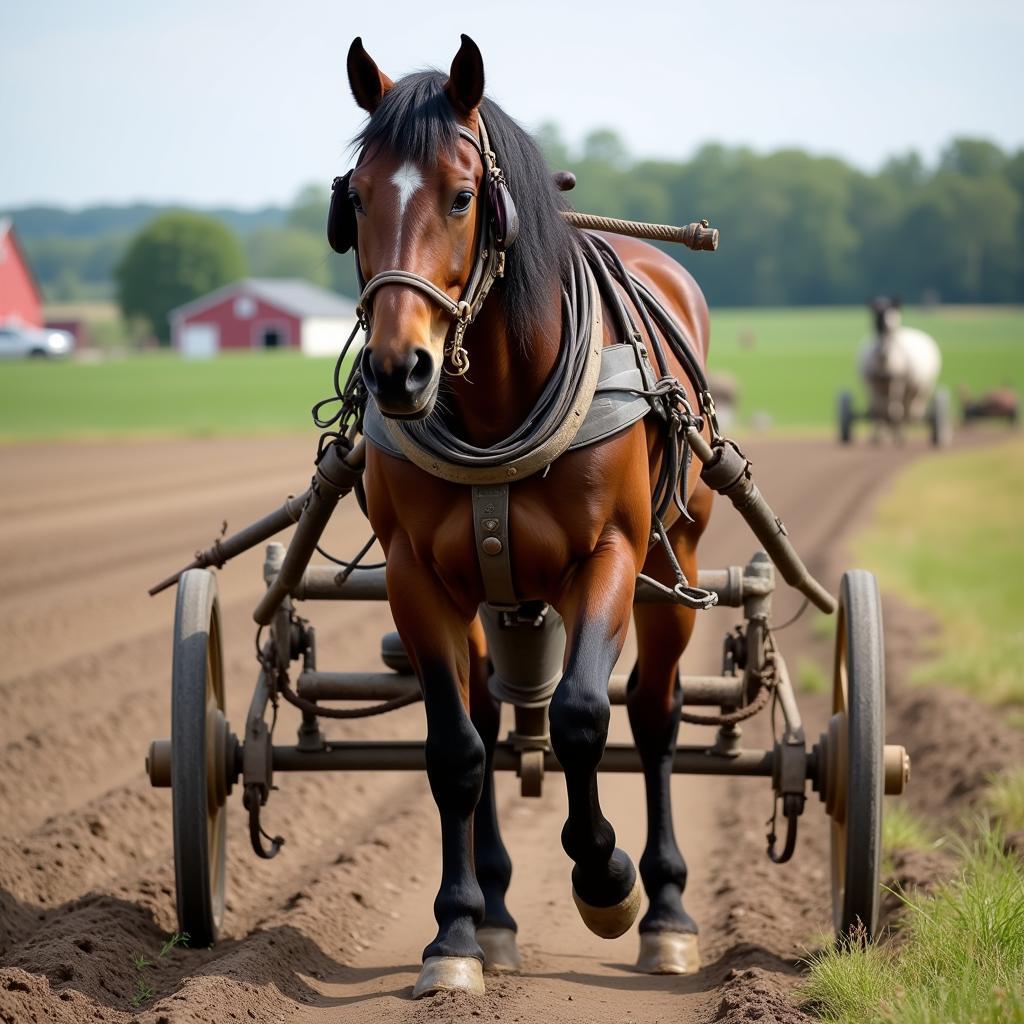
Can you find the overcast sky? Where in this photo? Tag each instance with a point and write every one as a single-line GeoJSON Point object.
{"type": "Point", "coordinates": [243, 102]}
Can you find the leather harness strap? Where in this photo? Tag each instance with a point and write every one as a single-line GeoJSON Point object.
{"type": "Point", "coordinates": [490, 527]}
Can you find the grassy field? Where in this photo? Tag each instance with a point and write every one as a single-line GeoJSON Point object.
{"type": "Point", "coordinates": [789, 363]}
{"type": "Point", "coordinates": [159, 393]}
{"type": "Point", "coordinates": [948, 538]}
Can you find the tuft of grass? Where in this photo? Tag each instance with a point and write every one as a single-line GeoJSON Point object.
{"type": "Point", "coordinates": [948, 538]}
{"type": "Point", "coordinates": [144, 991]}
{"type": "Point", "coordinates": [960, 961]}
{"type": "Point", "coordinates": [811, 677]}
{"type": "Point", "coordinates": [1004, 800]}
{"type": "Point", "coordinates": [177, 939]}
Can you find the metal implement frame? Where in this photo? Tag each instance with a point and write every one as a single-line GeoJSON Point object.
{"type": "Point", "coordinates": [255, 759]}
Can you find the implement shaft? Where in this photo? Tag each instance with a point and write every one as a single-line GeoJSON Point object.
{"type": "Point", "coordinates": [223, 550]}
{"type": "Point", "coordinates": [406, 756]}
{"type": "Point", "coordinates": [726, 470]}
{"type": "Point", "coordinates": [336, 475]}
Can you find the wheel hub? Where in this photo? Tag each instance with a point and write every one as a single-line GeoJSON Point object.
{"type": "Point", "coordinates": [221, 759]}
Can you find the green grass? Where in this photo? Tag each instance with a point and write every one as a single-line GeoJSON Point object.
{"type": "Point", "coordinates": [904, 830]}
{"type": "Point", "coordinates": [948, 538]}
{"type": "Point", "coordinates": [1004, 800]}
{"type": "Point", "coordinates": [792, 363]}
{"type": "Point", "coordinates": [960, 961]}
{"type": "Point", "coordinates": [811, 677]}
{"type": "Point", "coordinates": [160, 393]}
{"type": "Point", "coordinates": [798, 362]}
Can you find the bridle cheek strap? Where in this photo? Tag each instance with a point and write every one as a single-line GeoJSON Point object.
{"type": "Point", "coordinates": [488, 266]}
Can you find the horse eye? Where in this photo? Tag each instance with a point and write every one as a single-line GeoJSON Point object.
{"type": "Point", "coordinates": [356, 202]}
{"type": "Point", "coordinates": [462, 201]}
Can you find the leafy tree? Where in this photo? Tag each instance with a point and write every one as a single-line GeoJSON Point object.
{"type": "Point", "coordinates": [973, 158]}
{"type": "Point", "coordinates": [287, 252]}
{"type": "Point", "coordinates": [174, 259]}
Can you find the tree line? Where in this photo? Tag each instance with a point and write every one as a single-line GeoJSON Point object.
{"type": "Point", "coordinates": [796, 228]}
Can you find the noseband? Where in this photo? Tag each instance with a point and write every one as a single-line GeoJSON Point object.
{"type": "Point", "coordinates": [500, 229]}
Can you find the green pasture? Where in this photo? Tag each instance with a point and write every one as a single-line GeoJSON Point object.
{"type": "Point", "coordinates": [947, 537]}
{"type": "Point", "coordinates": [789, 365]}
{"type": "Point", "coordinates": [159, 393]}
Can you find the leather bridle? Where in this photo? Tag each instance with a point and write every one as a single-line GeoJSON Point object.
{"type": "Point", "coordinates": [498, 231]}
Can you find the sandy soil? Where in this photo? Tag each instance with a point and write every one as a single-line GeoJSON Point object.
{"type": "Point", "coordinates": [333, 928]}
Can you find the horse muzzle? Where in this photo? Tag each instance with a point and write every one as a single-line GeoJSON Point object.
{"type": "Point", "coordinates": [404, 386]}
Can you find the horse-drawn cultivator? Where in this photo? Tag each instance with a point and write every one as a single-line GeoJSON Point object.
{"type": "Point", "coordinates": [526, 518]}
{"type": "Point", "coordinates": [849, 766]}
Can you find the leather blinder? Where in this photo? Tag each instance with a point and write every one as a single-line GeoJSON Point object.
{"type": "Point", "coordinates": [504, 219]}
{"type": "Point", "coordinates": [341, 217]}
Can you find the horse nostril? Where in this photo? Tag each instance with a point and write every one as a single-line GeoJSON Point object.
{"type": "Point", "coordinates": [369, 377]}
{"type": "Point", "coordinates": [422, 372]}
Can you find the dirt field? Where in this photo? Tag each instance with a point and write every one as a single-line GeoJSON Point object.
{"type": "Point", "coordinates": [333, 928]}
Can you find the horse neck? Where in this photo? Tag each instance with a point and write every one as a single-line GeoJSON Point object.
{"type": "Point", "coordinates": [507, 372]}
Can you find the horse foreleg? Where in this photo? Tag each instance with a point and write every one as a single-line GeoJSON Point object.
{"type": "Point", "coordinates": [596, 613]}
{"type": "Point", "coordinates": [497, 933]}
{"type": "Point", "coordinates": [434, 633]}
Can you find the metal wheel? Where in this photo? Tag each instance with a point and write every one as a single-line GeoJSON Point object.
{"type": "Point", "coordinates": [203, 751]}
{"type": "Point", "coordinates": [846, 417]}
{"type": "Point", "coordinates": [940, 419]}
{"type": "Point", "coordinates": [854, 752]}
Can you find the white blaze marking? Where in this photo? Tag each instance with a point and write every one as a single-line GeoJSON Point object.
{"type": "Point", "coordinates": [407, 179]}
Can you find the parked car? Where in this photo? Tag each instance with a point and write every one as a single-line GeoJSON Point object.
{"type": "Point", "coordinates": [18, 341]}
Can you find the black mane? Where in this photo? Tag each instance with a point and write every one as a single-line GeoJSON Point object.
{"type": "Point", "coordinates": [416, 121]}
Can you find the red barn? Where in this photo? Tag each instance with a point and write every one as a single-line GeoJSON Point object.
{"type": "Point", "coordinates": [258, 313]}
{"type": "Point", "coordinates": [20, 299]}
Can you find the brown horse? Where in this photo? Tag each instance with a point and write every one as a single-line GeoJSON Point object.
{"type": "Point", "coordinates": [579, 533]}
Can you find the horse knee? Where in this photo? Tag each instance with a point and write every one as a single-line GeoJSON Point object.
{"type": "Point", "coordinates": [455, 759]}
{"type": "Point", "coordinates": [579, 726]}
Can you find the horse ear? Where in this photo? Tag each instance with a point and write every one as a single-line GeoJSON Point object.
{"type": "Point", "coordinates": [465, 85]}
{"type": "Point", "coordinates": [367, 81]}
{"type": "Point", "coordinates": [896, 302]}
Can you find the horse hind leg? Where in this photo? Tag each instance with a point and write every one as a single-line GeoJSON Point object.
{"type": "Point", "coordinates": [496, 934]}
{"type": "Point", "coordinates": [668, 935]}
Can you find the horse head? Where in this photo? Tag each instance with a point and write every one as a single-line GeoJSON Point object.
{"type": "Point", "coordinates": [886, 314]}
{"type": "Point", "coordinates": [417, 208]}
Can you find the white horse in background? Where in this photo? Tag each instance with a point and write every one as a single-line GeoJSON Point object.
{"type": "Point", "coordinates": [900, 366]}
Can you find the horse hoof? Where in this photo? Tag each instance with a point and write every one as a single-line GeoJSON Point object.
{"type": "Point", "coordinates": [449, 974]}
{"type": "Point", "coordinates": [500, 950]}
{"type": "Point", "coordinates": [668, 953]}
{"type": "Point", "coordinates": [610, 922]}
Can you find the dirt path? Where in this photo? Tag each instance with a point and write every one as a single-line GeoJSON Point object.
{"type": "Point", "coordinates": [332, 930]}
